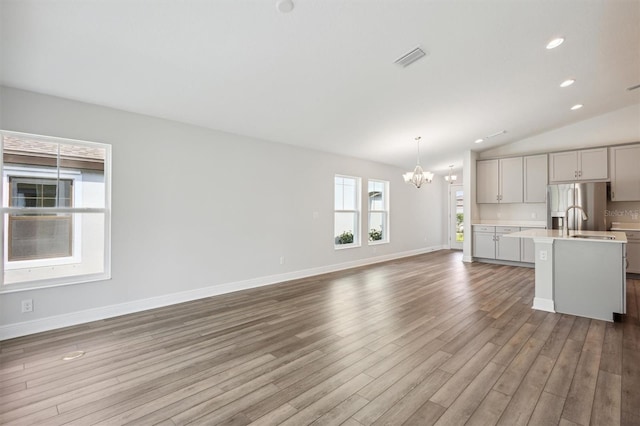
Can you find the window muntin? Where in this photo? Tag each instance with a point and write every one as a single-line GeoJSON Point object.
{"type": "Point", "coordinates": [346, 211]}
{"type": "Point", "coordinates": [56, 216]}
{"type": "Point", "coordinates": [378, 229]}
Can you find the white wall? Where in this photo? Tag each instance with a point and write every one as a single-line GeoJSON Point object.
{"type": "Point", "coordinates": [198, 212]}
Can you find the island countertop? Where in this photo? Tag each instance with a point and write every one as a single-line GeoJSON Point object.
{"type": "Point", "coordinates": [618, 237]}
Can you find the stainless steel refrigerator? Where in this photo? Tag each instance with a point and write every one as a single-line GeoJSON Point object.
{"type": "Point", "coordinates": [590, 196]}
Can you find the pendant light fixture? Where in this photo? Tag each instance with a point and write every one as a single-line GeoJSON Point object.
{"type": "Point", "coordinates": [418, 176]}
{"type": "Point", "coordinates": [451, 178]}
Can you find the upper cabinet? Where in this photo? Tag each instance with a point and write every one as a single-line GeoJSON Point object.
{"type": "Point", "coordinates": [625, 173]}
{"type": "Point", "coordinates": [587, 164]}
{"type": "Point", "coordinates": [499, 181]}
{"type": "Point", "coordinates": [535, 178]}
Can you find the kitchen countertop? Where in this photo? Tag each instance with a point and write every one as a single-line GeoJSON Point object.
{"type": "Point", "coordinates": [619, 237]}
{"type": "Point", "coordinates": [518, 223]}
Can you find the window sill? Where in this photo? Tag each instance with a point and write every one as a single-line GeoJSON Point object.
{"type": "Point", "coordinates": [377, 243]}
{"type": "Point", "coordinates": [346, 246]}
{"type": "Point", "coordinates": [42, 284]}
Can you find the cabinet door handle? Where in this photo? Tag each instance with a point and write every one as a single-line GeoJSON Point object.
{"type": "Point", "coordinates": [575, 173]}
{"type": "Point", "coordinates": [613, 195]}
{"type": "Point", "coordinates": [580, 173]}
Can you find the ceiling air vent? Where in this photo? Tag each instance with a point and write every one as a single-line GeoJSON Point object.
{"type": "Point", "coordinates": [409, 58]}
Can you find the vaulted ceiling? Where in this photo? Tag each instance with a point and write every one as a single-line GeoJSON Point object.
{"type": "Point", "coordinates": [323, 76]}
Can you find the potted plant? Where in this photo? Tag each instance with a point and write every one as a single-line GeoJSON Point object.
{"type": "Point", "coordinates": [345, 238]}
{"type": "Point", "coordinates": [375, 235]}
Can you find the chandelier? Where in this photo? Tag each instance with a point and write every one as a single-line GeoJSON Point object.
{"type": "Point", "coordinates": [418, 176]}
{"type": "Point", "coordinates": [451, 178]}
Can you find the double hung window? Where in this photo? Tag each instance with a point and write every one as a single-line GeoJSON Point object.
{"type": "Point", "coordinates": [378, 211]}
{"type": "Point", "coordinates": [346, 211]}
{"type": "Point", "coordinates": [55, 211]}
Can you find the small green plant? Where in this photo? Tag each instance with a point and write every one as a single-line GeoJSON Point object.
{"type": "Point", "coordinates": [345, 238]}
{"type": "Point", "coordinates": [375, 235]}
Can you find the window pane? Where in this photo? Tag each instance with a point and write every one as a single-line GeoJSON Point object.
{"type": "Point", "coordinates": [377, 225]}
{"type": "Point", "coordinates": [47, 247]}
{"type": "Point", "coordinates": [339, 196]}
{"type": "Point", "coordinates": [377, 195]}
{"type": "Point", "coordinates": [349, 197]}
{"type": "Point", "coordinates": [344, 226]}
{"type": "Point", "coordinates": [39, 237]}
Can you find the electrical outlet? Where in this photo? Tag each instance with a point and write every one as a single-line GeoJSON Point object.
{"type": "Point", "coordinates": [543, 255]}
{"type": "Point", "coordinates": [534, 215]}
{"type": "Point", "coordinates": [282, 260]}
{"type": "Point", "coordinates": [27, 305]}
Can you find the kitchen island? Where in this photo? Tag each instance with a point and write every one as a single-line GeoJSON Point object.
{"type": "Point", "coordinates": [582, 273]}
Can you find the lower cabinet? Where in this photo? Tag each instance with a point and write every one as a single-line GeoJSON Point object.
{"type": "Point", "coordinates": [484, 242]}
{"type": "Point", "coordinates": [507, 248]}
{"type": "Point", "coordinates": [633, 252]}
{"type": "Point", "coordinates": [489, 242]}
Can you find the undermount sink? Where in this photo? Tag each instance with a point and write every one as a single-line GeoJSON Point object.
{"type": "Point", "coordinates": [595, 237]}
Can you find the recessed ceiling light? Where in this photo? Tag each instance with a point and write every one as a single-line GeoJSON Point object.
{"type": "Point", "coordinates": [555, 43]}
{"type": "Point", "coordinates": [284, 6]}
{"type": "Point", "coordinates": [567, 83]}
{"type": "Point", "coordinates": [479, 140]}
{"type": "Point", "coordinates": [576, 106]}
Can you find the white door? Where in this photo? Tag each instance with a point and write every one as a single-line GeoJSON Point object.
{"type": "Point", "coordinates": [456, 218]}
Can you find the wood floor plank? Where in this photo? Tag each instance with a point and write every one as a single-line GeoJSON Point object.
{"type": "Point", "coordinates": [548, 410]}
{"type": "Point", "coordinates": [606, 402]}
{"type": "Point", "coordinates": [454, 386]}
{"type": "Point", "coordinates": [415, 402]}
{"type": "Point", "coordinates": [463, 407]}
{"type": "Point", "coordinates": [490, 410]}
{"type": "Point", "coordinates": [523, 401]}
{"type": "Point", "coordinates": [416, 341]}
{"type": "Point", "coordinates": [562, 374]}
{"type": "Point", "coordinates": [579, 402]}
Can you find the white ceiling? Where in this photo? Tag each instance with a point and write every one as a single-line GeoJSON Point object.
{"type": "Point", "coordinates": [323, 75]}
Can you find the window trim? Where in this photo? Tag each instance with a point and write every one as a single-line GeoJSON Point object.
{"type": "Point", "coordinates": [104, 211]}
{"type": "Point", "coordinates": [387, 234]}
{"type": "Point", "coordinates": [357, 237]}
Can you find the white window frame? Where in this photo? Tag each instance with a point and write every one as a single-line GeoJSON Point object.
{"type": "Point", "coordinates": [356, 212]}
{"type": "Point", "coordinates": [105, 211]}
{"type": "Point", "coordinates": [385, 212]}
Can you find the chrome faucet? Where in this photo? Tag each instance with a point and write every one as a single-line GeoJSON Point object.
{"type": "Point", "coordinates": [565, 225]}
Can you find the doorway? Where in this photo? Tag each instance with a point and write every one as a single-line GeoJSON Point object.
{"type": "Point", "coordinates": [456, 217]}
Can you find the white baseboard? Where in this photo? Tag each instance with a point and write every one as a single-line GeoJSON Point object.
{"type": "Point", "coordinates": [74, 318]}
{"type": "Point", "coordinates": [541, 304]}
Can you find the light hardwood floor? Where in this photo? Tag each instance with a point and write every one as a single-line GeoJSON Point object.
{"type": "Point", "coordinates": [419, 341]}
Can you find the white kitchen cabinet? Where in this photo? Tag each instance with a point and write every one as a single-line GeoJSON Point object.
{"type": "Point", "coordinates": [587, 164]}
{"type": "Point", "coordinates": [633, 251]}
{"type": "Point", "coordinates": [487, 181]}
{"type": "Point", "coordinates": [535, 178]}
{"type": "Point", "coordinates": [484, 242]}
{"type": "Point", "coordinates": [507, 248]}
{"type": "Point", "coordinates": [499, 181]}
{"type": "Point", "coordinates": [527, 248]}
{"type": "Point", "coordinates": [489, 242]}
{"type": "Point", "coordinates": [625, 172]}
